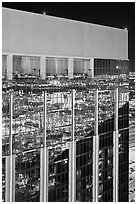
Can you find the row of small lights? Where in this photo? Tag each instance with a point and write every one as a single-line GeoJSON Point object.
{"type": "Point", "coordinates": [44, 13]}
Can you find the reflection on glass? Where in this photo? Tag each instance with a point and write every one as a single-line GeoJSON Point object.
{"type": "Point", "coordinates": [27, 177]}
{"type": "Point", "coordinates": [84, 172]}
{"type": "Point", "coordinates": [58, 174]}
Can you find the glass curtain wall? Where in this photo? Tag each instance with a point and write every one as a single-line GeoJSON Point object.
{"type": "Point", "coordinates": [28, 128]}
{"type": "Point", "coordinates": [110, 67]}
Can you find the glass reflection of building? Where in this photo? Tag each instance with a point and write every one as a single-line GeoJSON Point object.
{"type": "Point", "coordinates": [79, 125]}
{"type": "Point", "coordinates": [65, 128]}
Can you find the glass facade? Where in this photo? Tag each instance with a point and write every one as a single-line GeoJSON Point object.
{"type": "Point", "coordinates": [56, 113]}
{"type": "Point", "coordinates": [105, 130]}
{"type": "Point", "coordinates": [110, 67]}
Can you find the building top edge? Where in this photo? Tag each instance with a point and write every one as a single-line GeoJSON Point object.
{"type": "Point", "coordinates": [65, 19]}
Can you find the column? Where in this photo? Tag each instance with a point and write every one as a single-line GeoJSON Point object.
{"type": "Point", "coordinates": [10, 163]}
{"type": "Point", "coordinates": [56, 66]}
{"type": "Point", "coordinates": [96, 153]}
{"type": "Point", "coordinates": [72, 171]}
{"type": "Point", "coordinates": [94, 169]}
{"type": "Point", "coordinates": [43, 67]}
{"type": "Point", "coordinates": [85, 67]}
{"type": "Point", "coordinates": [44, 160]}
{"type": "Point", "coordinates": [9, 66]}
{"type": "Point", "coordinates": [115, 151]}
{"type": "Point", "coordinates": [7, 179]}
{"type": "Point", "coordinates": [72, 158]}
{"type": "Point", "coordinates": [70, 68]}
{"type": "Point", "coordinates": [91, 69]}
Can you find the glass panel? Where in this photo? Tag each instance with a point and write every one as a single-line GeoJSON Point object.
{"type": "Point", "coordinates": [132, 102]}
{"type": "Point", "coordinates": [123, 125]}
{"type": "Point", "coordinates": [28, 120]}
{"type": "Point", "coordinates": [84, 113]}
{"type": "Point", "coordinates": [78, 67]}
{"type": "Point", "coordinates": [110, 67]}
{"type": "Point", "coordinates": [59, 121]}
{"type": "Point", "coordinates": [84, 169]}
{"type": "Point", "coordinates": [59, 117]}
{"type": "Point", "coordinates": [27, 177]}
{"type": "Point", "coordinates": [86, 66]}
{"type": "Point", "coordinates": [50, 66]}
{"type": "Point", "coordinates": [5, 120]}
{"type": "Point", "coordinates": [4, 66]}
{"type": "Point", "coordinates": [58, 179]}
{"type": "Point", "coordinates": [62, 66]}
{"type": "Point", "coordinates": [26, 67]}
{"type": "Point", "coordinates": [105, 130]}
{"type": "Point", "coordinates": [106, 110]}
{"type": "Point", "coordinates": [84, 132]}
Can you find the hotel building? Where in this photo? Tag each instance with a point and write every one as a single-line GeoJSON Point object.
{"type": "Point", "coordinates": [65, 110]}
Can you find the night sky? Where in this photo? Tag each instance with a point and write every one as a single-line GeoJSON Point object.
{"type": "Point", "coordinates": [117, 14]}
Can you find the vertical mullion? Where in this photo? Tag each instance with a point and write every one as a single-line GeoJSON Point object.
{"type": "Point", "coordinates": [70, 68]}
{"type": "Point", "coordinates": [94, 169]}
{"type": "Point", "coordinates": [9, 163]}
{"type": "Point", "coordinates": [56, 65]}
{"type": "Point", "coordinates": [91, 73]}
{"type": "Point", "coordinates": [10, 143]}
{"type": "Point", "coordinates": [117, 148]}
{"type": "Point", "coordinates": [97, 145]}
{"type": "Point", "coordinates": [9, 66]}
{"type": "Point", "coordinates": [72, 157]}
{"type": "Point", "coordinates": [43, 67]}
{"type": "Point", "coordinates": [7, 179]}
{"type": "Point", "coordinates": [13, 177]}
{"type": "Point", "coordinates": [73, 116]}
{"type": "Point", "coordinates": [44, 160]}
{"type": "Point", "coordinates": [74, 149]}
{"type": "Point", "coordinates": [115, 151]}
{"type": "Point", "coordinates": [96, 152]}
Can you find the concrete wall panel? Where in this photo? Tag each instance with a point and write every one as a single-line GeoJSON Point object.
{"type": "Point", "coordinates": [28, 33]}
